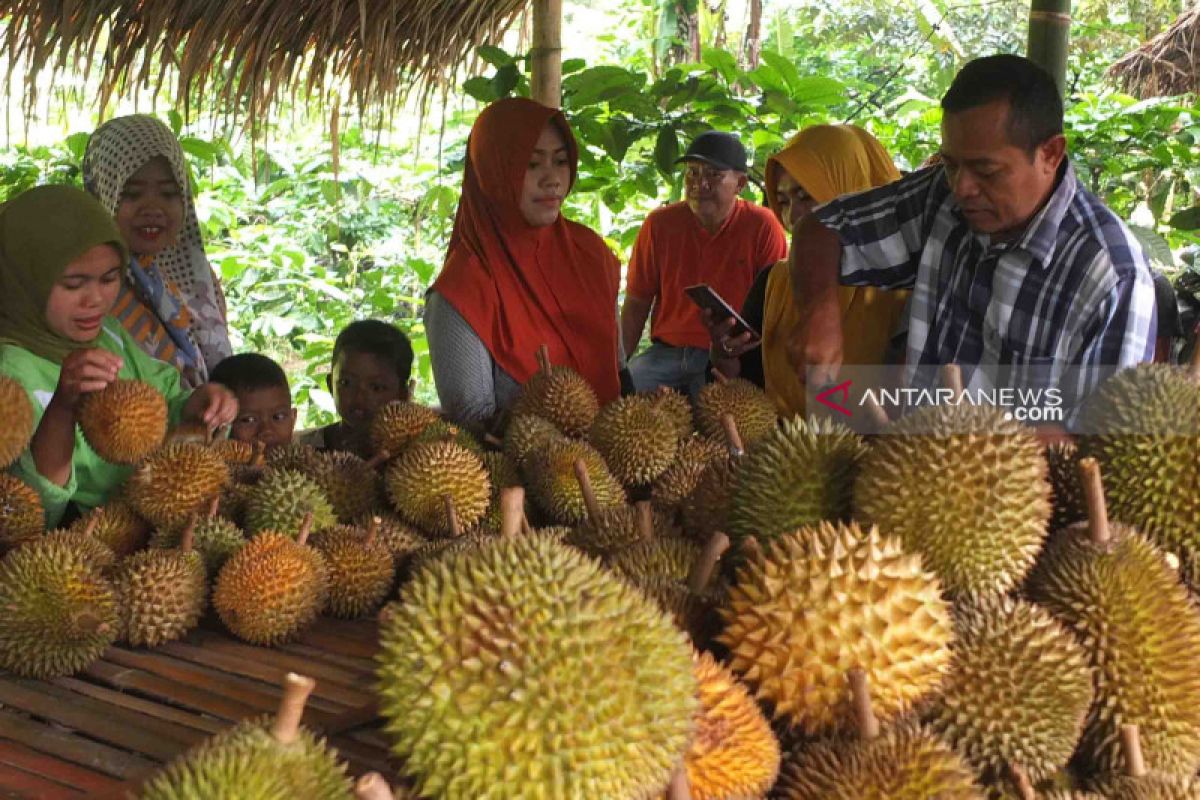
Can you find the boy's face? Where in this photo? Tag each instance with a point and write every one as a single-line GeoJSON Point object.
{"type": "Point", "coordinates": [363, 383]}
{"type": "Point", "coordinates": [264, 415]}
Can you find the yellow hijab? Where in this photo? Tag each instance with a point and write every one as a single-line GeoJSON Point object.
{"type": "Point", "coordinates": [827, 161]}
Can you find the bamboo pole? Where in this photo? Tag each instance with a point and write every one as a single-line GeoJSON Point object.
{"type": "Point", "coordinates": [1049, 35]}
{"type": "Point", "coordinates": [546, 55]}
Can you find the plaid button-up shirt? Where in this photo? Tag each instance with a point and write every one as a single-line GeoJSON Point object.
{"type": "Point", "coordinates": [1063, 305]}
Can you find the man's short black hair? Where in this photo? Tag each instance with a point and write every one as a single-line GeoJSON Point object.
{"type": "Point", "coordinates": [1035, 107]}
{"type": "Point", "coordinates": [379, 339]}
{"type": "Point", "coordinates": [248, 372]}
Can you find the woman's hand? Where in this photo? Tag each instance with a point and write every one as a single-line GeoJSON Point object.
{"type": "Point", "coordinates": [725, 346]}
{"type": "Point", "coordinates": [83, 372]}
{"type": "Point", "coordinates": [211, 404]}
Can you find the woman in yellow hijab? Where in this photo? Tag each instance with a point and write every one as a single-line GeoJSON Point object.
{"type": "Point", "coordinates": [818, 164]}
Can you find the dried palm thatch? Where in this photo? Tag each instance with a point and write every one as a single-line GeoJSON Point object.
{"type": "Point", "coordinates": [245, 53]}
{"type": "Point", "coordinates": [1168, 64]}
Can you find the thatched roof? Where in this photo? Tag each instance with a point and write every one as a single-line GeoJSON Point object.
{"type": "Point", "coordinates": [245, 53]}
{"type": "Point", "coordinates": [1168, 64]}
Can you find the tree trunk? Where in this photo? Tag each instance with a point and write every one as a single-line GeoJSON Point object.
{"type": "Point", "coordinates": [1049, 34]}
{"type": "Point", "coordinates": [546, 55]}
{"type": "Point", "coordinates": [754, 34]}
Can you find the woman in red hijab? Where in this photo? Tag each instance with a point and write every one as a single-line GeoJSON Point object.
{"type": "Point", "coordinates": [518, 275]}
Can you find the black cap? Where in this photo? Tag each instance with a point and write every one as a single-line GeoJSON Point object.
{"type": "Point", "coordinates": [721, 150]}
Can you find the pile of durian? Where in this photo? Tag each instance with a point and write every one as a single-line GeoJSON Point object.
{"type": "Point", "coordinates": [653, 600]}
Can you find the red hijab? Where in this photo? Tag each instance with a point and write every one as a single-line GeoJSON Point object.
{"type": "Point", "coordinates": [518, 286]}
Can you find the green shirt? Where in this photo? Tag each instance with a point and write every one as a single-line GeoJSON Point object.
{"type": "Point", "coordinates": [92, 478]}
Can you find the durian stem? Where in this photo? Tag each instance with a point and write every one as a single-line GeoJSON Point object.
{"type": "Point", "coordinates": [187, 539]}
{"type": "Point", "coordinates": [214, 507]}
{"type": "Point", "coordinates": [952, 378]}
{"type": "Point", "coordinates": [678, 788]}
{"type": "Point", "coordinates": [372, 786]}
{"type": "Point", "coordinates": [875, 413]}
{"type": "Point", "coordinates": [259, 456]}
{"type": "Point", "coordinates": [379, 459]}
{"type": "Point", "coordinates": [705, 564]}
{"type": "Point", "coordinates": [85, 622]}
{"type": "Point", "coordinates": [860, 697]}
{"type": "Point", "coordinates": [373, 531]}
{"type": "Point", "coordinates": [1020, 779]}
{"type": "Point", "coordinates": [305, 528]}
{"type": "Point", "coordinates": [718, 376]}
{"type": "Point", "coordinates": [89, 529]}
{"type": "Point", "coordinates": [1131, 747]}
{"type": "Point", "coordinates": [543, 359]}
{"type": "Point", "coordinates": [733, 438]}
{"type": "Point", "coordinates": [452, 520]}
{"type": "Point", "coordinates": [512, 511]}
{"type": "Point", "coordinates": [296, 689]}
{"type": "Point", "coordinates": [1093, 491]}
{"type": "Point", "coordinates": [644, 515]}
{"type": "Point", "coordinates": [585, 486]}
{"type": "Point", "coordinates": [751, 548]}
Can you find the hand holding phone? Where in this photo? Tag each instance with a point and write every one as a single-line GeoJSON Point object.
{"type": "Point", "coordinates": [706, 298]}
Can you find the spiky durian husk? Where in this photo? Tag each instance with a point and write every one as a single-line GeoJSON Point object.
{"type": "Point", "coordinates": [692, 612]}
{"type": "Point", "coordinates": [800, 473]}
{"type": "Point", "coordinates": [360, 574]}
{"type": "Point", "coordinates": [216, 539]}
{"type": "Point", "coordinates": [751, 408]}
{"type": "Point", "coordinates": [964, 487]}
{"type": "Point", "coordinates": [636, 440]}
{"type": "Point", "coordinates": [1141, 634]}
{"type": "Point", "coordinates": [424, 474]}
{"type": "Point", "coordinates": [523, 669]}
{"type": "Point", "coordinates": [1143, 426]}
{"type": "Point", "coordinates": [706, 510]}
{"type": "Point", "coordinates": [16, 420]}
{"type": "Point", "coordinates": [733, 752]}
{"type": "Point", "coordinates": [400, 538]}
{"type": "Point", "coordinates": [233, 452]}
{"type": "Point", "coordinates": [22, 518]}
{"type": "Point", "coordinates": [1017, 692]}
{"type": "Point", "coordinates": [397, 423]}
{"type": "Point", "coordinates": [161, 596]}
{"type": "Point", "coordinates": [676, 407]}
{"type": "Point", "coordinates": [680, 479]}
{"type": "Point", "coordinates": [1062, 460]}
{"type": "Point", "coordinates": [823, 600]}
{"type": "Point", "coordinates": [616, 529]}
{"type": "Point", "coordinates": [271, 589]}
{"type": "Point", "coordinates": [294, 456]}
{"type": "Point", "coordinates": [91, 549]}
{"type": "Point", "coordinates": [562, 397]}
{"type": "Point", "coordinates": [247, 763]}
{"type": "Point", "coordinates": [904, 763]}
{"type": "Point", "coordinates": [438, 548]}
{"type": "Point", "coordinates": [282, 499]}
{"type": "Point", "coordinates": [123, 422]}
{"type": "Point", "coordinates": [59, 613]}
{"type": "Point", "coordinates": [444, 431]}
{"type": "Point", "coordinates": [349, 483]}
{"type": "Point", "coordinates": [174, 482]}
{"type": "Point", "coordinates": [118, 526]}
{"type": "Point", "coordinates": [527, 435]}
{"type": "Point", "coordinates": [1149, 787]}
{"type": "Point", "coordinates": [550, 474]}
{"type": "Point", "coordinates": [666, 558]}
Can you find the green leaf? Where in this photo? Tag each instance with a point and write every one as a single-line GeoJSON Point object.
{"type": "Point", "coordinates": [722, 61]}
{"type": "Point", "coordinates": [783, 67]}
{"type": "Point", "coordinates": [1156, 247]}
{"type": "Point", "coordinates": [176, 121]}
{"type": "Point", "coordinates": [818, 91]}
{"type": "Point", "coordinates": [480, 88]}
{"type": "Point", "coordinates": [77, 144]}
{"type": "Point", "coordinates": [505, 80]}
{"type": "Point", "coordinates": [767, 79]}
{"type": "Point", "coordinates": [666, 150]}
{"type": "Point", "coordinates": [199, 149]}
{"type": "Point", "coordinates": [572, 65]}
{"type": "Point", "coordinates": [598, 84]}
{"type": "Point", "coordinates": [495, 56]}
{"type": "Point", "coordinates": [1186, 220]}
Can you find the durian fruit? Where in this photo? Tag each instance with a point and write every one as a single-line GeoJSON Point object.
{"type": "Point", "coordinates": [294, 457]}
{"type": "Point", "coordinates": [1116, 591]}
{"type": "Point", "coordinates": [1139, 783]}
{"type": "Point", "coordinates": [502, 473]}
{"type": "Point", "coordinates": [964, 487]}
{"type": "Point", "coordinates": [1062, 458]}
{"type": "Point", "coordinates": [190, 433]}
{"type": "Point", "coordinates": [360, 567]}
{"type": "Point", "coordinates": [281, 500]}
{"type": "Point", "coordinates": [560, 395]}
{"type": "Point", "coordinates": [733, 752]}
{"type": "Point", "coordinates": [397, 423]}
{"type": "Point", "coordinates": [161, 593]}
{"type": "Point", "coordinates": [523, 669]}
{"type": "Point", "coordinates": [444, 431]}
{"type": "Point", "coordinates": [118, 526]}
{"type": "Point", "coordinates": [215, 538]}
{"type": "Point", "coordinates": [174, 482]}
{"type": "Point", "coordinates": [95, 552]}
{"type": "Point", "coordinates": [551, 478]}
{"type": "Point", "coordinates": [59, 615]}
{"type": "Point", "coordinates": [676, 407]}
{"type": "Point", "coordinates": [513, 523]}
{"type": "Point", "coordinates": [827, 597]}
{"type": "Point", "coordinates": [799, 473]}
{"type": "Point", "coordinates": [22, 517]}
{"type": "Point", "coordinates": [16, 420]}
{"type": "Point", "coordinates": [673, 487]}
{"type": "Point", "coordinates": [272, 588]}
{"type": "Point", "coordinates": [350, 483]}
{"type": "Point", "coordinates": [706, 510]}
{"type": "Point", "coordinates": [258, 759]}
{"type": "Point", "coordinates": [123, 422]}
{"type": "Point", "coordinates": [689, 594]}
{"type": "Point", "coordinates": [607, 531]}
{"type": "Point", "coordinates": [234, 452]}
{"type": "Point", "coordinates": [636, 440]}
{"type": "Point", "coordinates": [440, 487]}
{"type": "Point", "coordinates": [749, 405]}
{"type": "Point", "coordinates": [666, 558]}
{"type": "Point", "coordinates": [905, 762]}
{"type": "Point", "coordinates": [400, 538]}
{"type": "Point", "coordinates": [1017, 691]}
{"type": "Point", "coordinates": [527, 435]}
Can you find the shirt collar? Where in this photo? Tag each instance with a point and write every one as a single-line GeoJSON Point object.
{"type": "Point", "coordinates": [1040, 238]}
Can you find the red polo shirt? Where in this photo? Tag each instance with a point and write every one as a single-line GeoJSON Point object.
{"type": "Point", "coordinates": [674, 251]}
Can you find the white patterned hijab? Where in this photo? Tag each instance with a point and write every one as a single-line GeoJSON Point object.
{"type": "Point", "coordinates": [116, 150]}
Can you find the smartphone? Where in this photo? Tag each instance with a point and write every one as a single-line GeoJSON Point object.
{"type": "Point", "coordinates": [704, 296]}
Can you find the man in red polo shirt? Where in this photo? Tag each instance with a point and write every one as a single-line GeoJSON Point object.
{"type": "Point", "coordinates": [711, 237]}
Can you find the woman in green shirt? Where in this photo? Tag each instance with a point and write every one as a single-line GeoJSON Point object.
{"type": "Point", "coordinates": [60, 270]}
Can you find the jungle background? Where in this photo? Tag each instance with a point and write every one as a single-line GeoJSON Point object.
{"type": "Point", "coordinates": [312, 224]}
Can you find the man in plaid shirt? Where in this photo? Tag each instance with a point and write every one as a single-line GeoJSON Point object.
{"type": "Point", "coordinates": [1011, 261]}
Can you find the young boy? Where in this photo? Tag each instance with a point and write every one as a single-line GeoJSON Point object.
{"type": "Point", "coordinates": [371, 364]}
{"type": "Point", "coordinates": [265, 411]}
